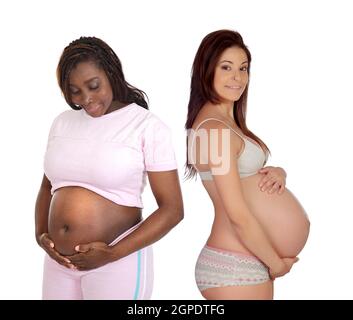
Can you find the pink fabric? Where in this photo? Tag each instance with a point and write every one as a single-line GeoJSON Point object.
{"type": "Point", "coordinates": [126, 279]}
{"type": "Point", "coordinates": [109, 154]}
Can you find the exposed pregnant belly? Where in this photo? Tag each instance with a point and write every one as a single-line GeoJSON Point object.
{"type": "Point", "coordinates": [78, 215]}
{"type": "Point", "coordinates": [282, 216]}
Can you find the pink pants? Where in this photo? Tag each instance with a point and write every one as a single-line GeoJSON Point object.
{"type": "Point", "coordinates": [130, 278]}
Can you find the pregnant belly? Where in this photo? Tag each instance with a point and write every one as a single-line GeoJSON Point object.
{"type": "Point", "coordinates": [282, 216]}
{"type": "Point", "coordinates": [78, 216]}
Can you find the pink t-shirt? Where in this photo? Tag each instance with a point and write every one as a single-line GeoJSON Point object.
{"type": "Point", "coordinates": [109, 154]}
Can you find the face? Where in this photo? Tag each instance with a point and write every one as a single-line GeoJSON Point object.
{"type": "Point", "coordinates": [231, 74]}
{"type": "Point", "coordinates": [90, 89]}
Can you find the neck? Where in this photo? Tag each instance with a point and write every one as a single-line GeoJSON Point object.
{"type": "Point", "coordinates": [115, 105]}
{"type": "Point", "coordinates": [226, 109]}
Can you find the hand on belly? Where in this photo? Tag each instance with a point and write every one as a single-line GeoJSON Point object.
{"type": "Point", "coordinates": [273, 180]}
{"type": "Point", "coordinates": [91, 255]}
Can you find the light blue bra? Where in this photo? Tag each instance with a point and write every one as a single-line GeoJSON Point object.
{"type": "Point", "coordinates": [251, 159]}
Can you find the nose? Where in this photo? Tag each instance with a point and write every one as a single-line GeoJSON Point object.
{"type": "Point", "coordinates": [87, 98]}
{"type": "Point", "coordinates": [236, 76]}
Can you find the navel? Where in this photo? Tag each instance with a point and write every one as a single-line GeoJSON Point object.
{"type": "Point", "coordinates": [65, 228]}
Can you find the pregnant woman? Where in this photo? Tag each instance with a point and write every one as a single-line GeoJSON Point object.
{"type": "Point", "coordinates": [259, 226]}
{"type": "Point", "coordinates": [89, 209]}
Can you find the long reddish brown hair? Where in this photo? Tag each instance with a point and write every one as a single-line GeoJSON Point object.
{"type": "Point", "coordinates": [202, 89]}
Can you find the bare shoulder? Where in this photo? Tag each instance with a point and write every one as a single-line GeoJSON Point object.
{"type": "Point", "coordinates": [210, 123]}
{"type": "Point", "coordinates": [217, 128]}
{"type": "Point", "coordinates": [208, 120]}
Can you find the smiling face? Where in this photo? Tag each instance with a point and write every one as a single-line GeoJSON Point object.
{"type": "Point", "coordinates": [231, 74]}
{"type": "Point", "coordinates": [90, 89]}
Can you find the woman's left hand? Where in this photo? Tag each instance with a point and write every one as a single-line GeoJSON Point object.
{"type": "Point", "coordinates": [92, 255]}
{"type": "Point", "coordinates": [274, 179]}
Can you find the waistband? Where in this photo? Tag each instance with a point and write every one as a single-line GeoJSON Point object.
{"type": "Point", "coordinates": [126, 233]}
{"type": "Point", "coordinates": [233, 253]}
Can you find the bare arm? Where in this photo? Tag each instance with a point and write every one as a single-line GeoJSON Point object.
{"type": "Point", "coordinates": [166, 189]}
{"type": "Point", "coordinates": [42, 208]}
{"type": "Point", "coordinates": [41, 223]}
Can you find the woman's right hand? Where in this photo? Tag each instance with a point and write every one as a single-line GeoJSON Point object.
{"type": "Point", "coordinates": [48, 245]}
{"type": "Point", "coordinates": [286, 267]}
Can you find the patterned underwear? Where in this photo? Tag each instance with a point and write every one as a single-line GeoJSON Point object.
{"type": "Point", "coordinates": [220, 268]}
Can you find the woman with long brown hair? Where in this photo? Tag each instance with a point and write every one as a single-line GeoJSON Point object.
{"type": "Point", "coordinates": [259, 226]}
{"type": "Point", "coordinates": [88, 211]}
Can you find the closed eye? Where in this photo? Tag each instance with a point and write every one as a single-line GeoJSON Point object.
{"type": "Point", "coordinates": [76, 92]}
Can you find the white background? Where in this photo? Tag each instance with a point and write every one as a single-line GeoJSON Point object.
{"type": "Point", "coordinates": [300, 101]}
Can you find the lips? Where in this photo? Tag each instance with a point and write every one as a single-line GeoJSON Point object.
{"type": "Point", "coordinates": [234, 87]}
{"type": "Point", "coordinates": [92, 108]}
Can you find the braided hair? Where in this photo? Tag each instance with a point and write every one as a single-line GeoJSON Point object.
{"type": "Point", "coordinates": [96, 50]}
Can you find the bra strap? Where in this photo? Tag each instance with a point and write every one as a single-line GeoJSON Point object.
{"type": "Point", "coordinates": [226, 124]}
